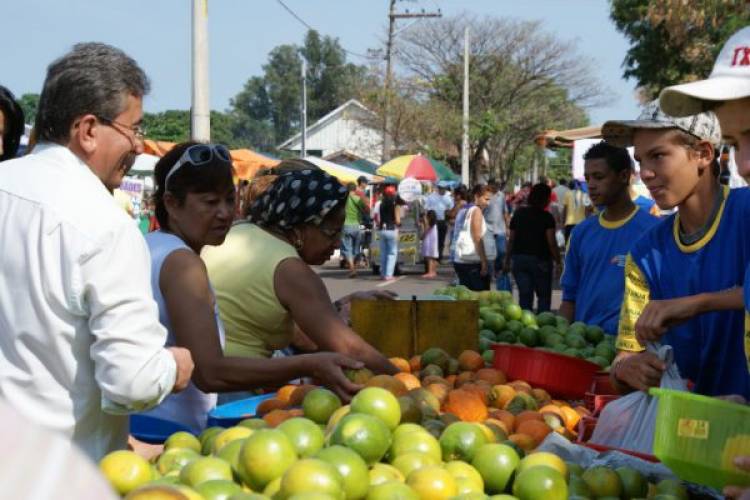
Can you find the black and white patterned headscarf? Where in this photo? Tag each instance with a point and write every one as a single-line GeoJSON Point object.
{"type": "Point", "coordinates": [300, 197]}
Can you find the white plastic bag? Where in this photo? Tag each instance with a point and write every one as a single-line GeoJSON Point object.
{"type": "Point", "coordinates": [629, 422]}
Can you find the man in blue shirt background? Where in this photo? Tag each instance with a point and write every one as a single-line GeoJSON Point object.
{"type": "Point", "coordinates": [593, 280]}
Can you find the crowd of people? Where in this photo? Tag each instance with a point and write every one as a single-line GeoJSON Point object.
{"type": "Point", "coordinates": [97, 322]}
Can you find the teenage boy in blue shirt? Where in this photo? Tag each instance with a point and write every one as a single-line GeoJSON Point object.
{"type": "Point", "coordinates": [594, 280]}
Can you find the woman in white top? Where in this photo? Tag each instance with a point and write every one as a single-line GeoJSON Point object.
{"type": "Point", "coordinates": [475, 245]}
{"type": "Point", "coordinates": [195, 203]}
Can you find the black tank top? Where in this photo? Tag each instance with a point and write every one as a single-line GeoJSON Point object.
{"type": "Point", "coordinates": [388, 212]}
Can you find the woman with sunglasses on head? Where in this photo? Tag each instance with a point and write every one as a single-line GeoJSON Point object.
{"type": "Point", "coordinates": [195, 202]}
{"type": "Point", "coordinates": [264, 281]}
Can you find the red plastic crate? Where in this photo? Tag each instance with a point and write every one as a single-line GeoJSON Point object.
{"type": "Point", "coordinates": [562, 376]}
{"type": "Point", "coordinates": [595, 403]}
{"type": "Point", "coordinates": [603, 384]}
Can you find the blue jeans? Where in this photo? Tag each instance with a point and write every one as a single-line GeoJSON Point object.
{"type": "Point", "coordinates": [350, 242]}
{"type": "Point", "coordinates": [388, 252]}
{"type": "Point", "coordinates": [533, 275]}
{"type": "Point", "coordinates": [500, 243]}
{"type": "Point", "coordinates": [469, 275]}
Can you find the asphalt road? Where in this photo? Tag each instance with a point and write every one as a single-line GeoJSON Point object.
{"type": "Point", "coordinates": [410, 283]}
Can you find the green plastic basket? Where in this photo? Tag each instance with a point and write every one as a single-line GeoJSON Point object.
{"type": "Point", "coordinates": [698, 437]}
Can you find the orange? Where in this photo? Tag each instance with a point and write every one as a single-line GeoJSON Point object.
{"type": "Point", "coordinates": [392, 490]}
{"type": "Point", "coordinates": [534, 428]}
{"type": "Point", "coordinates": [205, 469]}
{"type": "Point", "coordinates": [495, 463]}
{"type": "Point", "coordinates": [603, 482]}
{"type": "Point", "coordinates": [337, 415]}
{"type": "Point", "coordinates": [401, 364]}
{"type": "Point", "coordinates": [491, 375]}
{"type": "Point", "coordinates": [265, 456]}
{"type": "Point", "coordinates": [392, 384]}
{"type": "Point", "coordinates": [156, 492]}
{"type": "Point", "coordinates": [501, 395]}
{"type": "Point", "coordinates": [470, 361]}
{"type": "Point", "coordinates": [304, 434]}
{"type": "Point", "coordinates": [451, 379]}
{"type": "Point", "coordinates": [319, 404]}
{"type": "Point", "coordinates": [415, 363]}
{"type": "Point", "coordinates": [311, 475]}
{"type": "Point", "coordinates": [379, 403]}
{"type": "Point", "coordinates": [231, 454]}
{"type": "Point", "coordinates": [285, 393]}
{"type": "Point", "coordinates": [269, 405]}
{"type": "Point", "coordinates": [505, 417]}
{"type": "Point", "coordinates": [481, 390]}
{"type": "Point", "coordinates": [527, 415]}
{"type": "Point", "coordinates": [440, 391]}
{"type": "Point", "coordinates": [298, 395]}
{"type": "Point", "coordinates": [218, 488]}
{"type": "Point", "coordinates": [207, 439]}
{"type": "Point", "coordinates": [365, 434]}
{"type": "Point", "coordinates": [460, 441]}
{"type": "Point", "coordinates": [175, 459]}
{"type": "Point", "coordinates": [432, 483]}
{"type": "Point", "coordinates": [409, 462]}
{"type": "Point", "coordinates": [360, 376]}
{"type": "Point", "coordinates": [183, 440]}
{"type": "Point", "coordinates": [409, 380]}
{"type": "Point", "coordinates": [125, 470]}
{"type": "Point", "coordinates": [275, 417]}
{"type": "Point", "coordinates": [543, 458]}
{"type": "Point", "coordinates": [228, 435]}
{"type": "Point", "coordinates": [384, 473]}
{"type": "Point", "coordinates": [571, 417]}
{"type": "Point", "coordinates": [355, 477]}
{"type": "Point", "coordinates": [523, 441]}
{"type": "Point", "coordinates": [253, 423]}
{"type": "Point", "coordinates": [434, 379]}
{"type": "Point", "coordinates": [550, 408]}
{"type": "Point", "coordinates": [417, 441]}
{"type": "Point", "coordinates": [463, 378]}
{"type": "Point", "coordinates": [461, 470]}
{"type": "Point", "coordinates": [540, 483]}
{"type": "Point", "coordinates": [466, 405]}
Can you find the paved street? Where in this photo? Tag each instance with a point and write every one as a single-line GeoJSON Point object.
{"type": "Point", "coordinates": [339, 284]}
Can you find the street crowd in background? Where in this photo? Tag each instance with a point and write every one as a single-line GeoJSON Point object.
{"type": "Point", "coordinates": [97, 322]}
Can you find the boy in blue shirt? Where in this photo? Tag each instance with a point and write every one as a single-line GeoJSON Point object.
{"type": "Point", "coordinates": [594, 280]}
{"type": "Point", "coordinates": [683, 278]}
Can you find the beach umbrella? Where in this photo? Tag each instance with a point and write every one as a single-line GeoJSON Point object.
{"type": "Point", "coordinates": [342, 173]}
{"type": "Point", "coordinates": [414, 166]}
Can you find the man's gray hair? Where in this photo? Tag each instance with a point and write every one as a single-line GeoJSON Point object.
{"type": "Point", "coordinates": [93, 78]}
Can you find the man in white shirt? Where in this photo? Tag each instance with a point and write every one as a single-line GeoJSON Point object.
{"type": "Point", "coordinates": [80, 340]}
{"type": "Point", "coordinates": [440, 201]}
{"type": "Point", "coordinates": [496, 217]}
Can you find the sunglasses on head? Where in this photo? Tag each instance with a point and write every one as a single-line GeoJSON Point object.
{"type": "Point", "coordinates": [199, 154]}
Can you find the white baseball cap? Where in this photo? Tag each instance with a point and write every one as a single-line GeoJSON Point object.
{"type": "Point", "coordinates": [729, 80]}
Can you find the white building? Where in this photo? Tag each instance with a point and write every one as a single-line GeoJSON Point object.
{"type": "Point", "coordinates": [350, 127]}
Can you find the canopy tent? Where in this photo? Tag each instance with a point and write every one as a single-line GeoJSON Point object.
{"type": "Point", "coordinates": [417, 166]}
{"type": "Point", "coordinates": [246, 162]}
{"type": "Point", "coordinates": [342, 173]}
{"type": "Point", "coordinates": [144, 164]}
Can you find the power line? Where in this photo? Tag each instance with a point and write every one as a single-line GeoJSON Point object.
{"type": "Point", "coordinates": [298, 18]}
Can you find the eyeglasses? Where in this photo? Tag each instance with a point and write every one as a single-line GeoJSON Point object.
{"type": "Point", "coordinates": [138, 131]}
{"type": "Point", "coordinates": [199, 154]}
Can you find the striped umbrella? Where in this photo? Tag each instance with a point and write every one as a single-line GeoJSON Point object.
{"type": "Point", "coordinates": [418, 167]}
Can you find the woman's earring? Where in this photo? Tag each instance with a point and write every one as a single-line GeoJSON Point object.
{"type": "Point", "coordinates": [298, 243]}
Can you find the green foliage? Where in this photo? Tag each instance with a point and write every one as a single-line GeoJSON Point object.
{"type": "Point", "coordinates": [672, 41]}
{"type": "Point", "coordinates": [29, 104]}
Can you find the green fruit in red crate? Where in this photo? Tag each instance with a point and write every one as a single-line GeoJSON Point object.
{"type": "Point", "coordinates": [671, 487]}
{"type": "Point", "coordinates": [528, 319]}
{"type": "Point", "coordinates": [553, 339]}
{"type": "Point", "coordinates": [634, 484]}
{"type": "Point", "coordinates": [489, 334]}
{"type": "Point", "coordinates": [431, 370]}
{"type": "Point", "coordinates": [513, 312]}
{"type": "Point", "coordinates": [529, 337]}
{"type": "Point", "coordinates": [379, 403]}
{"type": "Point", "coordinates": [355, 477]}
{"type": "Point", "coordinates": [365, 434]}
{"type": "Point", "coordinates": [319, 404]}
{"type": "Point", "coordinates": [418, 441]}
{"type": "Point", "coordinates": [311, 475]}
{"type": "Point", "coordinates": [435, 356]}
{"type": "Point", "coordinates": [205, 469]}
{"type": "Point", "coordinates": [304, 434]}
{"type": "Point", "coordinates": [573, 353]}
{"type": "Point", "coordinates": [265, 456]}
{"type": "Point", "coordinates": [574, 340]}
{"type": "Point", "coordinates": [392, 491]}
{"type": "Point", "coordinates": [514, 326]}
{"type": "Point", "coordinates": [496, 464]}
{"type": "Point", "coordinates": [598, 360]}
{"type": "Point", "coordinates": [546, 319]}
{"type": "Point", "coordinates": [461, 441]}
{"type": "Point", "coordinates": [540, 483]}
{"type": "Point", "coordinates": [507, 336]}
{"type": "Point", "coordinates": [495, 322]}
{"type": "Point", "coordinates": [606, 351]}
{"type": "Point", "coordinates": [485, 343]}
{"type": "Point", "coordinates": [217, 489]}
{"type": "Point", "coordinates": [603, 482]}
{"type": "Point", "coordinates": [594, 334]}
{"type": "Point", "coordinates": [489, 356]}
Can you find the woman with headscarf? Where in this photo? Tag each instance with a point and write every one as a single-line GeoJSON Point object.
{"type": "Point", "coordinates": [11, 124]}
{"type": "Point", "coordinates": [263, 280]}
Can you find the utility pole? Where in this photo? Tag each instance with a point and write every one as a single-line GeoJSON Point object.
{"type": "Point", "coordinates": [200, 110]}
{"type": "Point", "coordinates": [303, 148]}
{"type": "Point", "coordinates": [392, 17]}
{"type": "Point", "coordinates": [465, 141]}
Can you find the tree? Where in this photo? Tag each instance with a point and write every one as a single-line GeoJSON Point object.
{"type": "Point", "coordinates": [673, 41]}
{"type": "Point", "coordinates": [29, 104]}
{"type": "Point", "coordinates": [522, 81]}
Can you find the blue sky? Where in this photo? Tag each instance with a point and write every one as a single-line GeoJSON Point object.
{"type": "Point", "coordinates": [242, 32]}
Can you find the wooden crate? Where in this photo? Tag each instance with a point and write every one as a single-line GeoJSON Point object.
{"type": "Point", "coordinates": [405, 328]}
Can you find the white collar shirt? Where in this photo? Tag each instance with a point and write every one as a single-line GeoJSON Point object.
{"type": "Point", "coordinates": [439, 203]}
{"type": "Point", "coordinates": [80, 340]}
